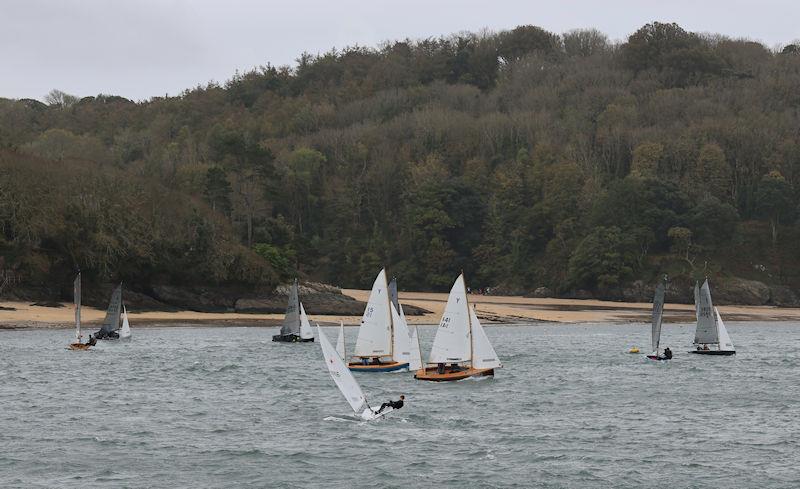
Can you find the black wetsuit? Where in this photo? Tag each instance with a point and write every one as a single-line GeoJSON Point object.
{"type": "Point", "coordinates": [392, 404]}
{"type": "Point", "coordinates": [668, 354]}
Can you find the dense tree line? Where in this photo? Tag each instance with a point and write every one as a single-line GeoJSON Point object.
{"type": "Point", "coordinates": [524, 157]}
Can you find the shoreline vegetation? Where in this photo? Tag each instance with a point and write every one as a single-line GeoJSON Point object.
{"type": "Point", "coordinates": [491, 309]}
{"type": "Point", "coordinates": [537, 163]}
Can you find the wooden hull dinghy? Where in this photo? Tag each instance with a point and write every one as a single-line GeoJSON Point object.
{"type": "Point", "coordinates": [377, 367]}
{"type": "Point", "coordinates": [433, 374]}
{"type": "Point", "coordinates": [461, 348]}
{"type": "Point", "coordinates": [79, 346]}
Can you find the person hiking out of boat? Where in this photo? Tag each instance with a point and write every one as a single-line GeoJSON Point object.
{"type": "Point", "coordinates": [392, 404]}
{"type": "Point", "coordinates": [667, 354]}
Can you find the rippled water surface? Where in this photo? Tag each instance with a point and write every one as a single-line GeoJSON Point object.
{"type": "Point", "coordinates": [226, 407]}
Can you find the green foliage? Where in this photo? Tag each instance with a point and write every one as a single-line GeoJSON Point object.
{"type": "Point", "coordinates": [603, 259]}
{"type": "Point", "coordinates": [281, 259]}
{"type": "Point", "coordinates": [775, 200]}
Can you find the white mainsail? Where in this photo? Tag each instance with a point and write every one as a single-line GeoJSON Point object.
{"type": "Point", "coordinates": [125, 330]}
{"type": "Point", "coordinates": [340, 341]}
{"type": "Point", "coordinates": [706, 332]}
{"type": "Point", "coordinates": [305, 327]}
{"type": "Point", "coordinates": [658, 315]}
{"type": "Point", "coordinates": [401, 348]}
{"type": "Point", "coordinates": [483, 354]}
{"type": "Point", "coordinates": [375, 333]}
{"type": "Point", "coordinates": [415, 359]}
{"type": "Point", "coordinates": [415, 362]}
{"type": "Point", "coordinates": [725, 343]}
{"type": "Point", "coordinates": [76, 286]}
{"type": "Point", "coordinates": [342, 376]}
{"type": "Point", "coordinates": [452, 341]}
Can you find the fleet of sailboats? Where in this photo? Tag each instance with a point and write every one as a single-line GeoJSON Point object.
{"type": "Point", "coordinates": [711, 336]}
{"type": "Point", "coordinates": [386, 342]}
{"type": "Point", "coordinates": [296, 327]}
{"type": "Point", "coordinates": [460, 348]}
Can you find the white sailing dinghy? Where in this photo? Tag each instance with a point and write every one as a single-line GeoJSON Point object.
{"type": "Point", "coordinates": [382, 345]}
{"type": "Point", "coordinates": [460, 349]}
{"type": "Point", "coordinates": [658, 315]}
{"type": "Point", "coordinates": [111, 323]}
{"type": "Point", "coordinates": [711, 337]}
{"type": "Point", "coordinates": [125, 330]}
{"type": "Point", "coordinates": [78, 345]}
{"type": "Point", "coordinates": [295, 328]}
{"type": "Point", "coordinates": [346, 383]}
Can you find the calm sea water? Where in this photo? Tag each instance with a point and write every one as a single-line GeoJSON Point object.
{"type": "Point", "coordinates": [227, 407]}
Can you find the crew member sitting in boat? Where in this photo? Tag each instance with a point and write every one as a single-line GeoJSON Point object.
{"type": "Point", "coordinates": [92, 341]}
{"type": "Point", "coordinates": [392, 404]}
{"type": "Point", "coordinates": [667, 354]}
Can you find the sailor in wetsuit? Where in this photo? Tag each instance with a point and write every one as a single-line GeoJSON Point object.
{"type": "Point", "coordinates": [92, 341]}
{"type": "Point", "coordinates": [667, 354]}
{"type": "Point", "coordinates": [392, 404]}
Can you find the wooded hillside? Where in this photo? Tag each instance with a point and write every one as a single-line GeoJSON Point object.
{"type": "Point", "coordinates": [526, 158]}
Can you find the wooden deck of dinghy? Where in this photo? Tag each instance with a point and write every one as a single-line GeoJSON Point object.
{"type": "Point", "coordinates": [377, 367]}
{"type": "Point", "coordinates": [432, 374]}
{"type": "Point", "coordinates": [79, 346]}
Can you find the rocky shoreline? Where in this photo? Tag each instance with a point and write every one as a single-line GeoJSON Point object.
{"type": "Point", "coordinates": [317, 299]}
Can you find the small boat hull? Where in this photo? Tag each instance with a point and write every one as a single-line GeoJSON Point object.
{"type": "Point", "coordinates": [658, 358]}
{"type": "Point", "coordinates": [432, 374]}
{"type": "Point", "coordinates": [714, 352]}
{"type": "Point", "coordinates": [79, 346]}
{"type": "Point", "coordinates": [291, 338]}
{"type": "Point", "coordinates": [381, 367]}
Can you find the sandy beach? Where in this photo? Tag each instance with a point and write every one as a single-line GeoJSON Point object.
{"type": "Point", "coordinates": [491, 309]}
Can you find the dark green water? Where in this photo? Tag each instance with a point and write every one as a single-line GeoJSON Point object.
{"type": "Point", "coordinates": [226, 407]}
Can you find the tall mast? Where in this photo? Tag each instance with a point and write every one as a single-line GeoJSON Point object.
{"type": "Point", "coordinates": [469, 321]}
{"type": "Point", "coordinates": [76, 295]}
{"type": "Point", "coordinates": [391, 321]}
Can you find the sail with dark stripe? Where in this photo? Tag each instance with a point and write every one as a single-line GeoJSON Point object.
{"type": "Point", "coordinates": [291, 322]}
{"type": "Point", "coordinates": [393, 294]}
{"type": "Point", "coordinates": [111, 322]}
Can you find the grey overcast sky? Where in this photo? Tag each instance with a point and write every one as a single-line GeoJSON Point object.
{"type": "Point", "coordinates": [144, 48]}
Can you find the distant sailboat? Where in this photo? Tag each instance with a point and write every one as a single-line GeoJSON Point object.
{"type": "Point", "coordinates": [296, 327]}
{"type": "Point", "coordinates": [78, 345]}
{"type": "Point", "coordinates": [658, 315]}
{"type": "Point", "coordinates": [460, 348]}
{"type": "Point", "coordinates": [383, 343]}
{"type": "Point", "coordinates": [345, 381]}
{"type": "Point", "coordinates": [711, 337]}
{"type": "Point", "coordinates": [125, 330]}
{"type": "Point", "coordinates": [111, 323]}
